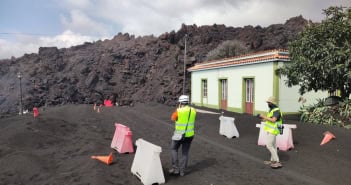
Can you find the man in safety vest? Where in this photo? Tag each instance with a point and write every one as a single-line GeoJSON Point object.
{"type": "Point", "coordinates": [273, 120]}
{"type": "Point", "coordinates": [184, 118]}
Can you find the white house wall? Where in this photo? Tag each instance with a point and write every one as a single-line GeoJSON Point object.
{"type": "Point", "coordinates": [212, 86]}
{"type": "Point", "coordinates": [263, 78]}
{"type": "Point", "coordinates": [195, 88]}
{"type": "Point", "coordinates": [263, 85]}
{"type": "Point", "coordinates": [289, 97]}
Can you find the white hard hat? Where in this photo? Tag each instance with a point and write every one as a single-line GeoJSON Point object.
{"type": "Point", "coordinates": [183, 99]}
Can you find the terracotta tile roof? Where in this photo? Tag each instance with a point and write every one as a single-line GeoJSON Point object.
{"type": "Point", "coordinates": [251, 58]}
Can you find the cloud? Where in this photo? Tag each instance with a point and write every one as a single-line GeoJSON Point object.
{"type": "Point", "coordinates": [66, 39]}
{"type": "Point", "coordinates": [88, 20]}
{"type": "Point", "coordinates": [9, 49]}
{"type": "Point", "coordinates": [82, 23]}
{"type": "Point", "coordinates": [144, 17]}
{"type": "Point", "coordinates": [76, 4]}
{"type": "Point", "coordinates": [30, 44]}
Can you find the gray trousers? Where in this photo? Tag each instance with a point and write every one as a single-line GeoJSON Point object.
{"type": "Point", "coordinates": [185, 143]}
{"type": "Point", "coordinates": [272, 147]}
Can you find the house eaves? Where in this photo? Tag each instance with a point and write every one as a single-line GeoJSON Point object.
{"type": "Point", "coordinates": [248, 59]}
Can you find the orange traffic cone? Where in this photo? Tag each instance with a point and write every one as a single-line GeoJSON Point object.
{"type": "Point", "coordinates": [327, 137]}
{"type": "Point", "coordinates": [105, 159]}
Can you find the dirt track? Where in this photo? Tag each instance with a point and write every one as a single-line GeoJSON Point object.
{"type": "Point", "coordinates": [55, 148]}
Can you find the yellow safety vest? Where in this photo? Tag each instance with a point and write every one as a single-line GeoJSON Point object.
{"type": "Point", "coordinates": [273, 127]}
{"type": "Point", "coordinates": [183, 119]}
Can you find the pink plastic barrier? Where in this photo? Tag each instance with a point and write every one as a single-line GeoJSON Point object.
{"type": "Point", "coordinates": [284, 142]}
{"type": "Point", "coordinates": [122, 139]}
{"type": "Point", "coordinates": [108, 103]}
{"type": "Point", "coordinates": [35, 112]}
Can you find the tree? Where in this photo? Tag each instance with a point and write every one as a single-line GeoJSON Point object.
{"type": "Point", "coordinates": [321, 55]}
{"type": "Point", "coordinates": [226, 49]}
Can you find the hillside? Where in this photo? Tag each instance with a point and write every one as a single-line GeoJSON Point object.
{"type": "Point", "coordinates": [126, 69]}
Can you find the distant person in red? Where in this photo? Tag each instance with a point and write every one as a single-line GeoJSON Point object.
{"type": "Point", "coordinates": [35, 112]}
{"type": "Point", "coordinates": [273, 121]}
{"type": "Point", "coordinates": [184, 118]}
{"type": "Point", "coordinates": [108, 103]}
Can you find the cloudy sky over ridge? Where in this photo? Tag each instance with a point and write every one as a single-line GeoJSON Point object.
{"type": "Point", "coordinates": [25, 25]}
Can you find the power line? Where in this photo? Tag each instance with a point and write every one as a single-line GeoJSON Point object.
{"type": "Point", "coordinates": [29, 34]}
{"type": "Point", "coordinates": [33, 34]}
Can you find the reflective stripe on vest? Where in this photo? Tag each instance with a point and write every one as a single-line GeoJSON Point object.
{"type": "Point", "coordinates": [273, 127]}
{"type": "Point", "coordinates": [183, 116]}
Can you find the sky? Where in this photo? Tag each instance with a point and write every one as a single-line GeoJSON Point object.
{"type": "Point", "coordinates": [26, 25]}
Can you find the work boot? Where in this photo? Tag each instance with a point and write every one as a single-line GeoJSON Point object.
{"type": "Point", "coordinates": [276, 165]}
{"type": "Point", "coordinates": [267, 162]}
{"type": "Point", "coordinates": [173, 171]}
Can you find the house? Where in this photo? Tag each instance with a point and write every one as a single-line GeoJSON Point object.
{"type": "Point", "coordinates": [243, 84]}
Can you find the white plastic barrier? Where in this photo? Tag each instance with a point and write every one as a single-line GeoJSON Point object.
{"type": "Point", "coordinates": [284, 142]}
{"type": "Point", "coordinates": [147, 163]}
{"type": "Point", "coordinates": [227, 127]}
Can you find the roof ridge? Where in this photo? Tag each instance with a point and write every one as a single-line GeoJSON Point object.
{"type": "Point", "coordinates": [248, 54]}
{"type": "Point", "coordinates": [257, 57]}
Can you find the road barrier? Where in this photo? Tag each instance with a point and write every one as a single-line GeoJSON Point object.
{"type": "Point", "coordinates": [147, 163]}
{"type": "Point", "coordinates": [122, 139]}
{"type": "Point", "coordinates": [284, 141]}
{"type": "Point", "coordinates": [227, 127]}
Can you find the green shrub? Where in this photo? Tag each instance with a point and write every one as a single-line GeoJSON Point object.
{"type": "Point", "coordinates": [226, 49]}
{"type": "Point", "coordinates": [319, 113]}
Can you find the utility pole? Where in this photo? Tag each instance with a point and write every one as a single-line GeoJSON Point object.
{"type": "Point", "coordinates": [185, 38]}
{"type": "Point", "coordinates": [19, 75]}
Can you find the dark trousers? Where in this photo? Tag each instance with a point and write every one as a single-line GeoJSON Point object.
{"type": "Point", "coordinates": [185, 143]}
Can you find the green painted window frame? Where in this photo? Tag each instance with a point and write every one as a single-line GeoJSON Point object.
{"type": "Point", "coordinates": [243, 93]}
{"type": "Point", "coordinates": [204, 90]}
{"type": "Point", "coordinates": [220, 90]}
